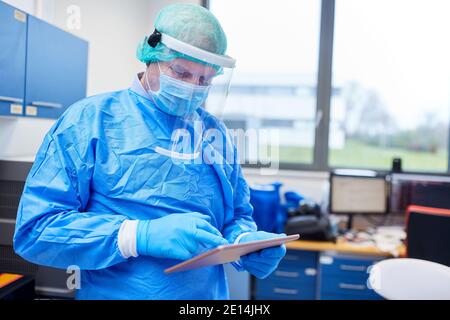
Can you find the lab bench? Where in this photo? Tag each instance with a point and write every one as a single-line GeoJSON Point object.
{"type": "Point", "coordinates": [321, 270]}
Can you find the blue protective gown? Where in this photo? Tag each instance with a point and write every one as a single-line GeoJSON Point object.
{"type": "Point", "coordinates": [98, 167]}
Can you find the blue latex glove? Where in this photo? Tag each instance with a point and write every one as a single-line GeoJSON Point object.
{"type": "Point", "coordinates": [177, 236]}
{"type": "Point", "coordinates": [262, 263]}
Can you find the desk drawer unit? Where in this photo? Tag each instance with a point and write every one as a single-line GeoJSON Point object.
{"type": "Point", "coordinates": [345, 277]}
{"type": "Point", "coordinates": [294, 279]}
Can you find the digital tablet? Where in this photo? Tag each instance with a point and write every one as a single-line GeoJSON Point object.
{"type": "Point", "coordinates": [228, 253]}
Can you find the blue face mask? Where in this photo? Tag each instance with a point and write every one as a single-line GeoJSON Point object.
{"type": "Point", "coordinates": [177, 97]}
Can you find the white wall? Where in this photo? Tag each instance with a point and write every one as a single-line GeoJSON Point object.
{"type": "Point", "coordinates": [113, 28]}
{"type": "Point", "coordinates": [25, 5]}
{"type": "Point", "coordinates": [20, 138]}
{"type": "Point", "coordinates": [309, 183]}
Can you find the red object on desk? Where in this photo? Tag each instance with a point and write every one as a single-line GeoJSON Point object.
{"type": "Point", "coordinates": [428, 234]}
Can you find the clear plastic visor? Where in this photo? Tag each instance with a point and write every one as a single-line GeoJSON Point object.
{"type": "Point", "coordinates": [185, 88]}
{"type": "Point", "coordinates": [183, 85]}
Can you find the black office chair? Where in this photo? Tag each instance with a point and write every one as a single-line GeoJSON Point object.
{"type": "Point", "coordinates": [428, 234]}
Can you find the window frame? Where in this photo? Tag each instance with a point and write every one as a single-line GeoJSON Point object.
{"type": "Point", "coordinates": [323, 100]}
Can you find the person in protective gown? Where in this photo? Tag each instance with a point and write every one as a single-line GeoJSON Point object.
{"type": "Point", "coordinates": [116, 191]}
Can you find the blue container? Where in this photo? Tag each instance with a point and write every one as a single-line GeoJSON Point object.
{"type": "Point", "coordinates": [293, 199]}
{"type": "Point", "coordinates": [267, 206]}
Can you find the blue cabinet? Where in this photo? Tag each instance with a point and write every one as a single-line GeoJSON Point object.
{"type": "Point", "coordinates": [294, 279]}
{"type": "Point", "coordinates": [43, 69]}
{"type": "Point", "coordinates": [13, 34]}
{"type": "Point", "coordinates": [308, 275]}
{"type": "Point", "coordinates": [344, 277]}
{"type": "Point", "coordinates": [56, 70]}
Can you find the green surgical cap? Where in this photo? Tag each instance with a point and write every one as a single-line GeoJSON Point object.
{"type": "Point", "coordinates": [189, 23]}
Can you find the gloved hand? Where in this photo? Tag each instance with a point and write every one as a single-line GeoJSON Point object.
{"type": "Point", "coordinates": [262, 263]}
{"type": "Point", "coordinates": [177, 236]}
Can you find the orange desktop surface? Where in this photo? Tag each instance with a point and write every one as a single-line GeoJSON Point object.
{"type": "Point", "coordinates": [8, 278]}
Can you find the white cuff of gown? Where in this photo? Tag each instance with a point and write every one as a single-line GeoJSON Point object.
{"type": "Point", "coordinates": [127, 238]}
{"type": "Point", "coordinates": [238, 262]}
{"type": "Point", "coordinates": [240, 237]}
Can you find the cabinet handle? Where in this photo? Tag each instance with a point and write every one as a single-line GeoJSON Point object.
{"type": "Point", "coordinates": [287, 274]}
{"type": "Point", "coordinates": [10, 99]}
{"type": "Point", "coordinates": [47, 104]}
{"type": "Point", "coordinates": [352, 286]}
{"type": "Point", "coordinates": [285, 291]}
{"type": "Point", "coordinates": [310, 271]}
{"type": "Point", "coordinates": [347, 267]}
{"type": "Point", "coordinates": [8, 221]}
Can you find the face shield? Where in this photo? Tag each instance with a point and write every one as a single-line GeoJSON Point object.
{"type": "Point", "coordinates": [193, 80]}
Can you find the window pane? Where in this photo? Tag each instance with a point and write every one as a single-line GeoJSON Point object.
{"type": "Point", "coordinates": [391, 80]}
{"type": "Point", "coordinates": [274, 84]}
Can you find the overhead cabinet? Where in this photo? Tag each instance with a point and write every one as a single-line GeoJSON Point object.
{"type": "Point", "coordinates": [56, 70]}
{"type": "Point", "coordinates": [43, 69]}
{"type": "Point", "coordinates": [13, 42]}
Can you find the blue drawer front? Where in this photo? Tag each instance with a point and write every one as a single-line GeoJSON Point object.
{"type": "Point", "coordinates": [306, 276]}
{"type": "Point", "coordinates": [284, 290]}
{"type": "Point", "coordinates": [345, 265]}
{"type": "Point", "coordinates": [300, 259]}
{"type": "Point", "coordinates": [285, 297]}
{"type": "Point", "coordinates": [294, 279]}
{"type": "Point", "coordinates": [331, 296]}
{"type": "Point", "coordinates": [345, 285]}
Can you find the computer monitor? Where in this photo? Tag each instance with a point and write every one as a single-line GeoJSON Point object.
{"type": "Point", "coordinates": [419, 189]}
{"type": "Point", "coordinates": [358, 192]}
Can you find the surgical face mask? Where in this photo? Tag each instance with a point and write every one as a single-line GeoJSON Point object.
{"type": "Point", "coordinates": [177, 97]}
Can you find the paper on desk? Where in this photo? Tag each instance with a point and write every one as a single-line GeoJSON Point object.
{"type": "Point", "coordinates": [389, 239]}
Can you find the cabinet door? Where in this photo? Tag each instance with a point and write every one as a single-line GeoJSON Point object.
{"type": "Point", "coordinates": [13, 30]}
{"type": "Point", "coordinates": [56, 69]}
